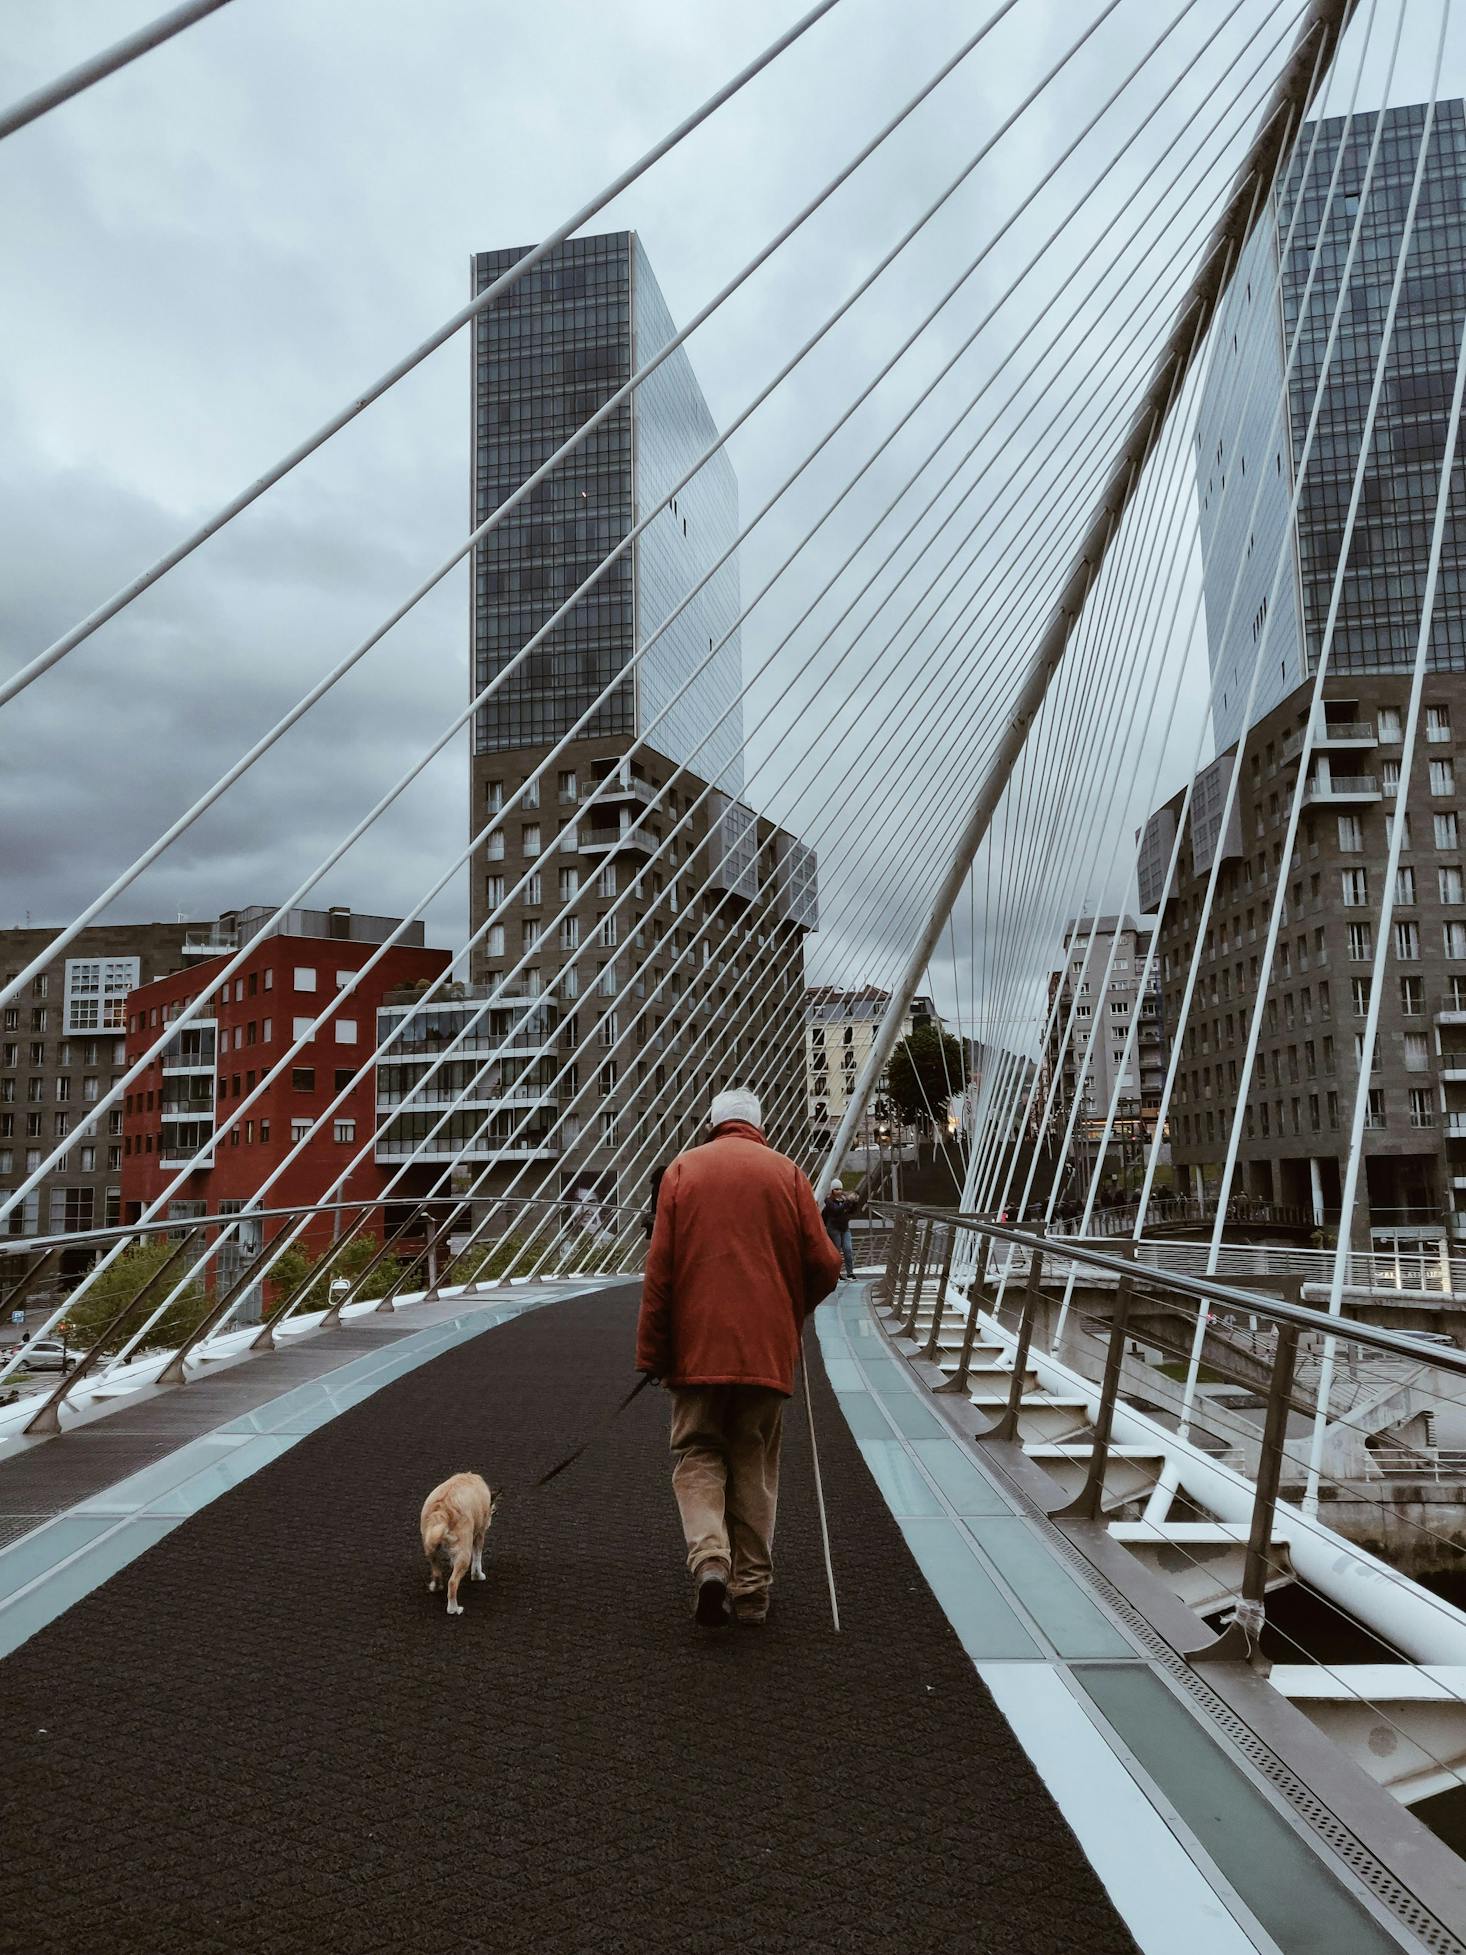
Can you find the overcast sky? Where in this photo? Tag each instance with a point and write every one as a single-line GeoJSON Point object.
{"type": "Point", "coordinates": [207, 254]}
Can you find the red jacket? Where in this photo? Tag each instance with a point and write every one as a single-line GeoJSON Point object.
{"type": "Point", "coordinates": [738, 1259]}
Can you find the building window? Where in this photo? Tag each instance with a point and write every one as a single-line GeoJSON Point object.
{"type": "Point", "coordinates": [1451, 885]}
{"type": "Point", "coordinates": [1405, 888]}
{"type": "Point", "coordinates": [494, 941]}
{"type": "Point", "coordinates": [95, 992]}
{"type": "Point", "coordinates": [608, 1128]}
{"type": "Point", "coordinates": [303, 1079]}
{"type": "Point", "coordinates": [267, 1031]}
{"type": "Point", "coordinates": [494, 847]}
{"type": "Point", "coordinates": [606, 935]}
{"type": "Point", "coordinates": [569, 932]}
{"type": "Point", "coordinates": [1389, 777]}
{"type": "Point", "coordinates": [1437, 722]}
{"type": "Point", "coordinates": [1407, 942]}
{"type": "Point", "coordinates": [1375, 1115]}
{"type": "Point", "coordinates": [343, 1130]}
{"type": "Point", "coordinates": [533, 890]}
{"type": "Point", "coordinates": [494, 891]}
{"type": "Point", "coordinates": [569, 884]}
{"type": "Point", "coordinates": [1356, 888]}
{"type": "Point", "coordinates": [530, 839]}
{"type": "Point", "coordinates": [569, 790]}
{"type": "Point", "coordinates": [1389, 725]}
{"type": "Point", "coordinates": [346, 1031]}
{"type": "Point", "coordinates": [1422, 1107]}
{"type": "Point", "coordinates": [1351, 832]}
{"type": "Point", "coordinates": [1359, 996]}
{"type": "Point", "coordinates": [1417, 1052]}
{"type": "Point", "coordinates": [299, 1129]}
{"type": "Point", "coordinates": [1446, 832]}
{"type": "Point", "coordinates": [305, 978]}
{"type": "Point", "coordinates": [1455, 936]}
{"type": "Point", "coordinates": [606, 881]}
{"type": "Point", "coordinates": [531, 796]}
{"type": "Point", "coordinates": [1361, 942]}
{"type": "Point", "coordinates": [1412, 997]}
{"type": "Point", "coordinates": [493, 797]}
{"type": "Point", "coordinates": [1442, 777]}
{"type": "Point", "coordinates": [302, 1028]}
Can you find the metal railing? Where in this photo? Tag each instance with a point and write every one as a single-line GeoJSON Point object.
{"type": "Point", "coordinates": [417, 1239]}
{"type": "Point", "coordinates": [917, 1279]}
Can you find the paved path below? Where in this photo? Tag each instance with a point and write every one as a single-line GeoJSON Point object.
{"type": "Point", "coordinates": [266, 1735]}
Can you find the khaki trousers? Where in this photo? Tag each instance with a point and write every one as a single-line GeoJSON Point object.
{"type": "Point", "coordinates": [726, 1441]}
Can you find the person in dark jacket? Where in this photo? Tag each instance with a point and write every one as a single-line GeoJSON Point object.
{"type": "Point", "coordinates": [737, 1261]}
{"type": "Point", "coordinates": [837, 1211]}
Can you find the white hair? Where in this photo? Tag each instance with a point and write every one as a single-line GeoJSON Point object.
{"type": "Point", "coordinates": [736, 1104]}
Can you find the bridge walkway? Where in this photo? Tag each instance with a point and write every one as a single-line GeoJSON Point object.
{"type": "Point", "coordinates": [263, 1732]}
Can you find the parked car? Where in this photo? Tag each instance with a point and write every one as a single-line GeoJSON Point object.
{"type": "Point", "coordinates": [48, 1354]}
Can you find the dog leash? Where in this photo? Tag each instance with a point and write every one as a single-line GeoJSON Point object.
{"type": "Point", "coordinates": [570, 1458]}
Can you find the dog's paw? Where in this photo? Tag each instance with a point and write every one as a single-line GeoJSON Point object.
{"type": "Point", "coordinates": [455, 1608]}
{"type": "Point", "coordinates": [433, 1586]}
{"type": "Point", "coordinates": [479, 1575]}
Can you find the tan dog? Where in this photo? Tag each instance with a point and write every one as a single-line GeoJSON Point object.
{"type": "Point", "coordinates": [455, 1519]}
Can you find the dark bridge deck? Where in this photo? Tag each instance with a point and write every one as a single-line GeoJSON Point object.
{"type": "Point", "coordinates": [266, 1735]}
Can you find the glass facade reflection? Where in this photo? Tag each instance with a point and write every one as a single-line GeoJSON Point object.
{"type": "Point", "coordinates": [1383, 589]}
{"type": "Point", "coordinates": [546, 356]}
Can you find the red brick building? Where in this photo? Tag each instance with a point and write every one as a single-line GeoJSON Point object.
{"type": "Point", "coordinates": [187, 1097]}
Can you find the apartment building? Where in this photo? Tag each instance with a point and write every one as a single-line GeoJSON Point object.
{"type": "Point", "coordinates": [1095, 997]}
{"type": "Point", "coordinates": [1298, 1108]}
{"type": "Point", "coordinates": [680, 969]}
{"type": "Point", "coordinates": [62, 1048]}
{"type": "Point", "coordinates": [184, 1104]}
{"type": "Point", "coordinates": [840, 1027]}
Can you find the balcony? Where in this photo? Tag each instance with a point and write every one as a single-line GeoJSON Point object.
{"type": "Point", "coordinates": [1341, 788]}
{"type": "Point", "coordinates": [1338, 736]}
{"type": "Point", "coordinates": [1455, 1125]}
{"type": "Point", "coordinates": [1453, 1067]}
{"type": "Point", "coordinates": [209, 943]}
{"type": "Point", "coordinates": [619, 787]}
{"type": "Point", "coordinates": [600, 838]}
{"type": "Point", "coordinates": [1450, 1009]}
{"type": "Point", "coordinates": [194, 1049]}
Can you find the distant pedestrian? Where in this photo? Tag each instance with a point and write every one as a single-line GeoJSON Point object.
{"type": "Point", "coordinates": [838, 1209]}
{"type": "Point", "coordinates": [737, 1261]}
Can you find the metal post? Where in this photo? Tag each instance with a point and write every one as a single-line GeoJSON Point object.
{"type": "Point", "coordinates": [1314, 49]}
{"type": "Point", "coordinates": [923, 1263]}
{"type": "Point", "coordinates": [47, 1416]}
{"type": "Point", "coordinates": [939, 1309]}
{"type": "Point", "coordinates": [39, 1268]}
{"type": "Point", "coordinates": [896, 1289]}
{"type": "Point", "coordinates": [1238, 1642]}
{"type": "Point", "coordinates": [958, 1381]}
{"type": "Point", "coordinates": [895, 1249]}
{"type": "Point", "coordinates": [1086, 1504]}
{"type": "Point", "coordinates": [1007, 1426]}
{"type": "Point", "coordinates": [174, 1372]}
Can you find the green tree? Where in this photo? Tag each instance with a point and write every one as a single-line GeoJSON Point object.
{"type": "Point", "coordinates": [89, 1316]}
{"type": "Point", "coordinates": [926, 1070]}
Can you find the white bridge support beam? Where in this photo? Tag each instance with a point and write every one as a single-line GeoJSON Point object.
{"type": "Point", "coordinates": [1323, 27]}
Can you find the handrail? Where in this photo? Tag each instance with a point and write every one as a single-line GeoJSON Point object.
{"type": "Point", "coordinates": [1201, 1289]}
{"type": "Point", "coordinates": [30, 1245]}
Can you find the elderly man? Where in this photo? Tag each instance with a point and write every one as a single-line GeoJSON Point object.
{"type": "Point", "coordinates": [738, 1259]}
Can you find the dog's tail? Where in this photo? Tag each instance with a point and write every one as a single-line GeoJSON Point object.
{"type": "Point", "coordinates": [432, 1534]}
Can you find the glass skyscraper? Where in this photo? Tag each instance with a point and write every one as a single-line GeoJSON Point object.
{"type": "Point", "coordinates": [546, 356]}
{"type": "Point", "coordinates": [1238, 438]}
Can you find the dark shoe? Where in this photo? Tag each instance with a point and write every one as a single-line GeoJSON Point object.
{"type": "Point", "coordinates": [711, 1611]}
{"type": "Point", "coordinates": [751, 1610]}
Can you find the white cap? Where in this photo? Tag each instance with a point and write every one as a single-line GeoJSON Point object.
{"type": "Point", "coordinates": [837, 1187]}
{"type": "Point", "coordinates": [736, 1104]}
